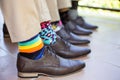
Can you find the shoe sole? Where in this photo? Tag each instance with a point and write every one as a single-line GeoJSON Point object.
{"type": "Point", "coordinates": [36, 75]}
{"type": "Point", "coordinates": [31, 75]}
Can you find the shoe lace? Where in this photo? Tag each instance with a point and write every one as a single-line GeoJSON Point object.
{"type": "Point", "coordinates": [67, 44]}
{"type": "Point", "coordinates": [51, 51]}
{"type": "Point", "coordinates": [66, 35]}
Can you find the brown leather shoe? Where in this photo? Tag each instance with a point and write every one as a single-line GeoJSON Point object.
{"type": "Point", "coordinates": [73, 16]}
{"type": "Point", "coordinates": [49, 65]}
{"type": "Point", "coordinates": [67, 50]}
{"type": "Point", "coordinates": [76, 29]}
{"type": "Point", "coordinates": [81, 22]}
{"type": "Point", "coordinates": [73, 40]}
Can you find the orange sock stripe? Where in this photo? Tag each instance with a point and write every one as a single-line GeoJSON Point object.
{"type": "Point", "coordinates": [33, 49]}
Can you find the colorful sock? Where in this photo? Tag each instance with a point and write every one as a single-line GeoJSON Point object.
{"type": "Point", "coordinates": [35, 55]}
{"type": "Point", "coordinates": [56, 26]}
{"type": "Point", "coordinates": [47, 34]}
{"type": "Point", "coordinates": [32, 48]}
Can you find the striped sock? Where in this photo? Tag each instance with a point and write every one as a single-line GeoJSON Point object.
{"type": "Point", "coordinates": [32, 48]}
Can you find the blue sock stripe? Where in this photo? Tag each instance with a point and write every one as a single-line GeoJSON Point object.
{"type": "Point", "coordinates": [30, 39]}
{"type": "Point", "coordinates": [40, 54]}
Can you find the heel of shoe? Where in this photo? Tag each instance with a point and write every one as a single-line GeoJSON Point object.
{"type": "Point", "coordinates": [28, 75]}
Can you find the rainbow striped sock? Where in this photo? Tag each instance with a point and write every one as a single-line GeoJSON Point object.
{"type": "Point", "coordinates": [32, 48]}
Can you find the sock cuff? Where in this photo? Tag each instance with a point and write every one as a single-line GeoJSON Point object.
{"type": "Point", "coordinates": [56, 26]}
{"type": "Point", "coordinates": [30, 42]}
{"type": "Point", "coordinates": [32, 45]}
{"type": "Point", "coordinates": [45, 24]}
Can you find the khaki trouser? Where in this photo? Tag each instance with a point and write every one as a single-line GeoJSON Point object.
{"type": "Point", "coordinates": [23, 17]}
{"type": "Point", "coordinates": [54, 5]}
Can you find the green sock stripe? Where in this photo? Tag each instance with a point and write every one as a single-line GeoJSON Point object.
{"type": "Point", "coordinates": [30, 42]}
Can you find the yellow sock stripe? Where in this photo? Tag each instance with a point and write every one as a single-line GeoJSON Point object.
{"type": "Point", "coordinates": [31, 46]}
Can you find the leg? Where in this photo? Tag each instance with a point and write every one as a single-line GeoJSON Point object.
{"type": "Point", "coordinates": [53, 8]}
{"type": "Point", "coordinates": [43, 11]}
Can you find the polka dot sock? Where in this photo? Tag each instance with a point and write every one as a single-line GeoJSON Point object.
{"type": "Point", "coordinates": [47, 33]}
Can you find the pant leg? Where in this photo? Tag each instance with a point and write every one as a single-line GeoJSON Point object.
{"type": "Point", "coordinates": [42, 8]}
{"type": "Point", "coordinates": [54, 5]}
{"type": "Point", "coordinates": [64, 4]}
{"type": "Point", "coordinates": [21, 18]}
{"type": "Point", "coordinates": [53, 9]}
